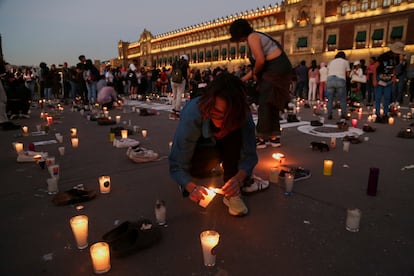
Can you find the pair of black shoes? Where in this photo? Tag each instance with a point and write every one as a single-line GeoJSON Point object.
{"type": "Point", "coordinates": [130, 237]}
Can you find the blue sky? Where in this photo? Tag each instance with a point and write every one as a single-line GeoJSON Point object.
{"type": "Point", "coordinates": [54, 31]}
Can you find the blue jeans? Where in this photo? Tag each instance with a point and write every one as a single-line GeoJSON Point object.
{"type": "Point", "coordinates": [48, 93]}
{"type": "Point", "coordinates": [336, 88]}
{"type": "Point", "coordinates": [381, 91]}
{"type": "Point", "coordinates": [91, 86]}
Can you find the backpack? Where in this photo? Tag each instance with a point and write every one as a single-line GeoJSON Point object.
{"type": "Point", "coordinates": [177, 74]}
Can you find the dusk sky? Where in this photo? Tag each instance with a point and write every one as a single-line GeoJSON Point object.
{"type": "Point", "coordinates": [54, 31]}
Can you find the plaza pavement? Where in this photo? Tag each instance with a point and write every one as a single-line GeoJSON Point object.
{"type": "Point", "coordinates": [302, 234]}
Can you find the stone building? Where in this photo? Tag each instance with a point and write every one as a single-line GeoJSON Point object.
{"type": "Point", "coordinates": [307, 29]}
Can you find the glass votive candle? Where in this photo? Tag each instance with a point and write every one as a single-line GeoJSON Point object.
{"type": "Point", "coordinates": [124, 133]}
{"type": "Point", "coordinates": [289, 179]}
{"type": "Point", "coordinates": [104, 184]}
{"type": "Point", "coordinates": [327, 167]}
{"type": "Point", "coordinates": [209, 239]}
{"type": "Point", "coordinates": [354, 122]}
{"type": "Point", "coordinates": [18, 147]}
{"type": "Point", "coordinates": [352, 220]}
{"type": "Point", "coordinates": [73, 132]}
{"type": "Point", "coordinates": [79, 225]}
{"type": "Point", "coordinates": [118, 119]}
{"type": "Point", "coordinates": [75, 142]}
{"type": "Point", "coordinates": [144, 133]}
{"type": "Point", "coordinates": [101, 259]}
{"type": "Point", "coordinates": [25, 131]}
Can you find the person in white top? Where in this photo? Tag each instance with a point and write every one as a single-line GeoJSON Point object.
{"type": "Point", "coordinates": [338, 70]}
{"type": "Point", "coordinates": [323, 77]}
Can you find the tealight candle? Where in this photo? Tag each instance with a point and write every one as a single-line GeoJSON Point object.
{"type": "Point", "coordinates": [104, 184]}
{"type": "Point", "coordinates": [18, 147]}
{"type": "Point", "coordinates": [118, 119]}
{"type": "Point", "coordinates": [75, 142]}
{"type": "Point", "coordinates": [101, 259]}
{"type": "Point", "coordinates": [207, 198]}
{"type": "Point", "coordinates": [73, 132]}
{"type": "Point", "coordinates": [124, 133]}
{"type": "Point", "coordinates": [25, 130]}
{"type": "Point", "coordinates": [391, 120]}
{"type": "Point", "coordinates": [209, 239]}
{"type": "Point", "coordinates": [104, 108]}
{"type": "Point", "coordinates": [144, 133]}
{"type": "Point", "coordinates": [289, 179]}
{"type": "Point", "coordinates": [79, 225]}
{"type": "Point", "coordinates": [106, 113]}
{"type": "Point", "coordinates": [327, 167]}
{"type": "Point", "coordinates": [279, 157]}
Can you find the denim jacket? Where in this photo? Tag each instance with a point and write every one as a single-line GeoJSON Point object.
{"type": "Point", "coordinates": [193, 130]}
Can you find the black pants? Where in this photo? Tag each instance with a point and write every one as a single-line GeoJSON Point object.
{"type": "Point", "coordinates": [225, 151]}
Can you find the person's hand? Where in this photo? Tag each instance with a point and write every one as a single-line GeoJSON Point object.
{"type": "Point", "coordinates": [232, 187]}
{"type": "Point", "coordinates": [198, 193]}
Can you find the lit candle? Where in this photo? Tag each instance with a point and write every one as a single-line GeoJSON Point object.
{"type": "Point", "coordinates": [289, 179]}
{"type": "Point", "coordinates": [104, 108]}
{"type": "Point", "coordinates": [279, 157]}
{"type": "Point", "coordinates": [73, 132]}
{"type": "Point", "coordinates": [79, 225]}
{"type": "Point", "coordinates": [144, 133]}
{"type": "Point", "coordinates": [327, 167]}
{"type": "Point", "coordinates": [333, 142]}
{"type": "Point", "coordinates": [25, 130]}
{"type": "Point", "coordinates": [391, 120]}
{"type": "Point", "coordinates": [49, 120]}
{"type": "Point", "coordinates": [75, 142]}
{"type": "Point", "coordinates": [118, 119]}
{"type": "Point", "coordinates": [124, 133]}
{"type": "Point", "coordinates": [339, 111]}
{"type": "Point", "coordinates": [274, 175]}
{"type": "Point", "coordinates": [42, 115]}
{"type": "Point", "coordinates": [18, 147]}
{"type": "Point", "coordinates": [209, 239]}
{"type": "Point", "coordinates": [104, 184]}
{"type": "Point", "coordinates": [106, 114]}
{"type": "Point", "coordinates": [101, 259]}
{"type": "Point", "coordinates": [354, 122]}
{"type": "Point", "coordinates": [369, 119]}
{"type": "Point", "coordinates": [352, 220]}
{"type": "Point", "coordinates": [207, 198]}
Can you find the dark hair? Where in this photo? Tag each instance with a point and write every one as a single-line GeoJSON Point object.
{"type": "Point", "coordinates": [240, 28]}
{"type": "Point", "coordinates": [232, 90]}
{"type": "Point", "coordinates": [340, 54]}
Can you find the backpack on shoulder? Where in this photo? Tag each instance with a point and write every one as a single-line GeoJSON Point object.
{"type": "Point", "coordinates": [177, 74]}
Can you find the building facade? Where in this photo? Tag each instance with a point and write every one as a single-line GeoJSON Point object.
{"type": "Point", "coordinates": [307, 29]}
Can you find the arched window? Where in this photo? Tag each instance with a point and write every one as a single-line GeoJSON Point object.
{"type": "Point", "coordinates": [353, 7]}
{"type": "Point", "coordinates": [364, 5]}
{"type": "Point", "coordinates": [374, 4]}
{"type": "Point", "coordinates": [344, 8]}
{"type": "Point", "coordinates": [386, 3]}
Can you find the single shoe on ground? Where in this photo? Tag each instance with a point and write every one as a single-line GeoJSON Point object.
{"type": "Point", "coordinates": [134, 148]}
{"type": "Point", "coordinates": [73, 196]}
{"type": "Point", "coordinates": [255, 184]}
{"type": "Point", "coordinates": [316, 123]}
{"type": "Point", "coordinates": [125, 143]}
{"type": "Point", "coordinates": [28, 156]}
{"type": "Point", "coordinates": [142, 155]}
{"type": "Point", "coordinates": [236, 206]}
{"type": "Point", "coordinates": [131, 237]}
{"type": "Point", "coordinates": [406, 133]}
{"type": "Point", "coordinates": [368, 128]}
{"type": "Point", "coordinates": [291, 118]}
{"type": "Point", "coordinates": [299, 172]}
{"type": "Point", "coordinates": [275, 142]}
{"type": "Point", "coordinates": [260, 143]}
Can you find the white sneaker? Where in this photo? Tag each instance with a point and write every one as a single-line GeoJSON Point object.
{"type": "Point", "coordinates": [236, 206]}
{"type": "Point", "coordinates": [255, 184]}
{"type": "Point", "coordinates": [142, 155]}
{"type": "Point", "coordinates": [125, 143]}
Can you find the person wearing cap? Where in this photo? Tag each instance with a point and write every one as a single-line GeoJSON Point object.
{"type": "Point", "coordinates": [384, 77]}
{"type": "Point", "coordinates": [178, 88]}
{"type": "Point", "coordinates": [272, 70]}
{"type": "Point", "coordinates": [357, 77]}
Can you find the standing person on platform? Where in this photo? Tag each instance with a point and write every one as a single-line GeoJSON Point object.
{"type": "Point", "coordinates": [313, 76]}
{"type": "Point", "coordinates": [217, 127]}
{"type": "Point", "coordinates": [323, 77]}
{"type": "Point", "coordinates": [338, 71]}
{"type": "Point", "coordinates": [272, 70]}
{"type": "Point", "coordinates": [384, 77]}
{"type": "Point", "coordinates": [178, 83]}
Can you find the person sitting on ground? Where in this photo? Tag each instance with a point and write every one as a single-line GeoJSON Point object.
{"type": "Point", "coordinates": [216, 127]}
{"type": "Point", "coordinates": [107, 96]}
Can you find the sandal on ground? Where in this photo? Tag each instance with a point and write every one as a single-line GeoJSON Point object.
{"type": "Point", "coordinates": [73, 196]}
{"type": "Point", "coordinates": [255, 184]}
{"type": "Point", "coordinates": [130, 237]}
